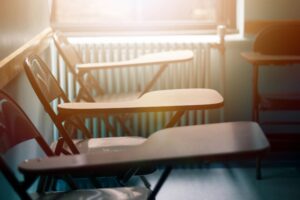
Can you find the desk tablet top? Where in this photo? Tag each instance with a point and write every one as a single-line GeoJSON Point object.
{"type": "Point", "coordinates": [180, 145]}
{"type": "Point", "coordinates": [167, 57]}
{"type": "Point", "coordinates": [161, 100]}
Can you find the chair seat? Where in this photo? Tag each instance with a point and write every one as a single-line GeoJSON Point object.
{"type": "Point", "coordinates": [117, 97]}
{"type": "Point", "coordinates": [105, 144]}
{"type": "Point", "coordinates": [133, 193]}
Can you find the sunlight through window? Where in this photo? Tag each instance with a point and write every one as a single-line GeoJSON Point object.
{"type": "Point", "coordinates": [142, 15]}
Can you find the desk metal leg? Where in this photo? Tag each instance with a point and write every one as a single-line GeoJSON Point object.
{"type": "Point", "coordinates": [122, 122]}
{"type": "Point", "coordinates": [160, 182]}
{"type": "Point", "coordinates": [255, 99]}
{"type": "Point", "coordinates": [174, 120]}
{"type": "Point", "coordinates": [109, 128]}
{"type": "Point", "coordinates": [258, 168]}
{"type": "Point", "coordinates": [154, 79]}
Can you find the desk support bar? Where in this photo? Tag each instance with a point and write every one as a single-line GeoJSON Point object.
{"type": "Point", "coordinates": [153, 81]}
{"type": "Point", "coordinates": [160, 182]}
{"type": "Point", "coordinates": [175, 119]}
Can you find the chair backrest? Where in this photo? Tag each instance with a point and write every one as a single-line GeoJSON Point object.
{"type": "Point", "coordinates": [47, 89]}
{"type": "Point", "coordinates": [15, 128]}
{"type": "Point", "coordinates": [43, 81]}
{"type": "Point", "coordinates": [44, 84]}
{"type": "Point", "coordinates": [67, 51]}
{"type": "Point", "coordinates": [280, 39]}
{"type": "Point", "coordinates": [88, 84]}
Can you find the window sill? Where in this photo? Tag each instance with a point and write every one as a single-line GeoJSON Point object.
{"type": "Point", "coordinates": [146, 39]}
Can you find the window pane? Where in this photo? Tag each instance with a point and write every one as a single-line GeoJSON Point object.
{"type": "Point", "coordinates": [94, 11]}
{"type": "Point", "coordinates": [143, 15]}
{"type": "Point", "coordinates": [203, 10]}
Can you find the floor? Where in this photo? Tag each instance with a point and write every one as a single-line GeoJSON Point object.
{"type": "Point", "coordinates": [232, 181]}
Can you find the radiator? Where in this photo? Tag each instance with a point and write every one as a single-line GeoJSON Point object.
{"type": "Point", "coordinates": [191, 74]}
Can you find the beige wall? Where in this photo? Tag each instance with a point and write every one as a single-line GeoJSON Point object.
{"type": "Point", "coordinates": [20, 20]}
{"type": "Point", "coordinates": [272, 9]}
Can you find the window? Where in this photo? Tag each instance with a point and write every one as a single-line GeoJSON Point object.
{"type": "Point", "coordinates": [143, 15]}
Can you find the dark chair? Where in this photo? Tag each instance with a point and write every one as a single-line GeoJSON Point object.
{"type": "Point", "coordinates": [15, 128]}
{"type": "Point", "coordinates": [275, 46]}
{"type": "Point", "coordinates": [47, 89]}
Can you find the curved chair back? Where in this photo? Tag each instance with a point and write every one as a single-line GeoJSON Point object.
{"type": "Point", "coordinates": [42, 81]}
{"type": "Point", "coordinates": [15, 126]}
{"type": "Point", "coordinates": [47, 89]}
{"type": "Point", "coordinates": [278, 40]}
{"type": "Point", "coordinates": [88, 84]}
{"type": "Point", "coordinates": [67, 51]}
